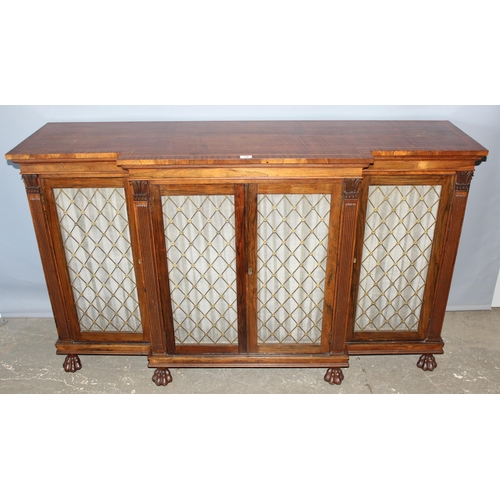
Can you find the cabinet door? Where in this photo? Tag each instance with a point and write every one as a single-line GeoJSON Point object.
{"type": "Point", "coordinates": [96, 257]}
{"type": "Point", "coordinates": [293, 231]}
{"type": "Point", "coordinates": [200, 246]}
{"type": "Point", "coordinates": [400, 238]}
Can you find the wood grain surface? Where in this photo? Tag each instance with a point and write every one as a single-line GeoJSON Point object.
{"type": "Point", "coordinates": [255, 141]}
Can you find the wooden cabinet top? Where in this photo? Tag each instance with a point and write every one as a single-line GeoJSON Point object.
{"type": "Point", "coordinates": [244, 142]}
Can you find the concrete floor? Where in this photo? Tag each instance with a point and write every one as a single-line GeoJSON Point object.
{"type": "Point", "coordinates": [470, 364]}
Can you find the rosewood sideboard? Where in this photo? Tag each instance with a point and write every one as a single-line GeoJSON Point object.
{"type": "Point", "coordinates": [248, 244]}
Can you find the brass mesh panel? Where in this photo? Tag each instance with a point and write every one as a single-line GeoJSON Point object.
{"type": "Point", "coordinates": [292, 251]}
{"type": "Point", "coordinates": [399, 231]}
{"type": "Point", "coordinates": [96, 238]}
{"type": "Point", "coordinates": [201, 254]}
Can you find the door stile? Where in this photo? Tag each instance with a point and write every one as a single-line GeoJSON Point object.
{"type": "Point", "coordinates": [241, 265]}
{"type": "Point", "coordinates": [345, 261]}
{"type": "Point", "coordinates": [60, 258]}
{"type": "Point", "coordinates": [162, 263]}
{"type": "Point", "coordinates": [143, 209]}
{"type": "Point", "coordinates": [437, 259]}
{"type": "Point", "coordinates": [251, 191]}
{"type": "Point", "coordinates": [358, 251]}
{"type": "Point", "coordinates": [331, 267]}
{"type": "Point", "coordinates": [136, 252]}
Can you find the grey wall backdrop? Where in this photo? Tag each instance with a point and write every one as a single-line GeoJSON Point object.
{"type": "Point", "coordinates": [22, 284]}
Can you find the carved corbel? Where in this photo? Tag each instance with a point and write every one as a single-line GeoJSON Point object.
{"type": "Point", "coordinates": [463, 180]}
{"type": "Point", "coordinates": [140, 190]}
{"type": "Point", "coordinates": [32, 184]}
{"type": "Point", "coordinates": [351, 189]}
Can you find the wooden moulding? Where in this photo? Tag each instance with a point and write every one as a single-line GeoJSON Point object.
{"type": "Point", "coordinates": [426, 162]}
{"type": "Point", "coordinates": [208, 174]}
{"type": "Point", "coordinates": [233, 161]}
{"type": "Point", "coordinates": [374, 347]}
{"type": "Point", "coordinates": [60, 157]}
{"type": "Point", "coordinates": [128, 349]}
{"type": "Point", "coordinates": [340, 360]}
{"type": "Point", "coordinates": [74, 169]}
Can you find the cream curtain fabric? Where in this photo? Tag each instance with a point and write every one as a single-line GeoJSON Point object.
{"type": "Point", "coordinates": [399, 232]}
{"type": "Point", "coordinates": [201, 254]}
{"type": "Point", "coordinates": [292, 251]}
{"type": "Point", "coordinates": [96, 238]}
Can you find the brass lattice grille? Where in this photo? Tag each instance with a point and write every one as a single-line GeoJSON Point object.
{"type": "Point", "coordinates": [201, 254]}
{"type": "Point", "coordinates": [96, 238]}
{"type": "Point", "coordinates": [292, 253]}
{"type": "Point", "coordinates": [399, 231]}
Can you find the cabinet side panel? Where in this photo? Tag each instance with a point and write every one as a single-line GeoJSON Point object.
{"type": "Point", "coordinates": [397, 244]}
{"type": "Point", "coordinates": [201, 255]}
{"type": "Point", "coordinates": [459, 197]}
{"type": "Point", "coordinates": [96, 239]}
{"type": "Point", "coordinates": [45, 246]}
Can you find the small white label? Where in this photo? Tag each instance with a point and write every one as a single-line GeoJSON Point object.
{"type": "Point", "coordinates": [244, 157]}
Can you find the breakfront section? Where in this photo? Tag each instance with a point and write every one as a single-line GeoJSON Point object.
{"type": "Point", "coordinates": [248, 244]}
{"type": "Point", "coordinates": [408, 231]}
{"type": "Point", "coordinates": [248, 272]}
{"type": "Point", "coordinates": [86, 232]}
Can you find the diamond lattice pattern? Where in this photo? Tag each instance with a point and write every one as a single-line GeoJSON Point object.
{"type": "Point", "coordinates": [292, 254]}
{"type": "Point", "coordinates": [201, 254]}
{"type": "Point", "coordinates": [96, 238]}
{"type": "Point", "coordinates": [399, 231]}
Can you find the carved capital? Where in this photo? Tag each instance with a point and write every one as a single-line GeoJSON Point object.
{"type": "Point", "coordinates": [351, 189]}
{"type": "Point", "coordinates": [463, 180]}
{"type": "Point", "coordinates": [32, 183]}
{"type": "Point", "coordinates": [141, 190]}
